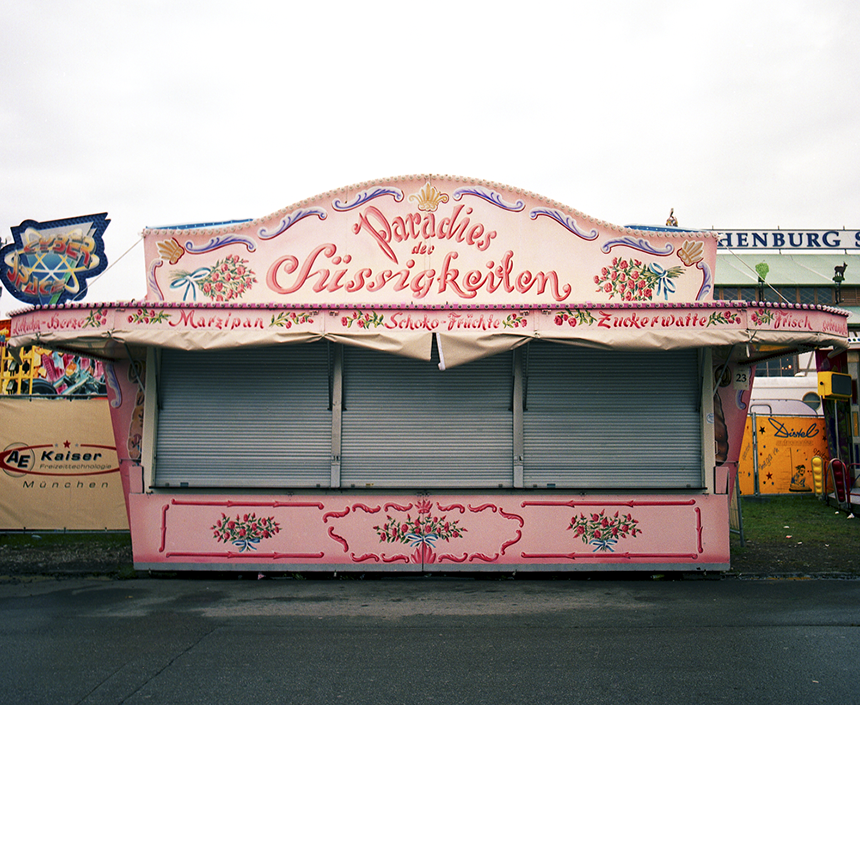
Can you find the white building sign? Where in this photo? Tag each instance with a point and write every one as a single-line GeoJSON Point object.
{"type": "Point", "coordinates": [789, 240]}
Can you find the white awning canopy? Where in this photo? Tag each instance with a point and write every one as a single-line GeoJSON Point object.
{"type": "Point", "coordinates": [463, 334]}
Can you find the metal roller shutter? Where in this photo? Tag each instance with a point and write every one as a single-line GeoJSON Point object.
{"type": "Point", "coordinates": [408, 424]}
{"type": "Point", "coordinates": [611, 419]}
{"type": "Point", "coordinates": [256, 417]}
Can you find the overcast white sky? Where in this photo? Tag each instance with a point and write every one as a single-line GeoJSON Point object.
{"type": "Point", "coordinates": [737, 114]}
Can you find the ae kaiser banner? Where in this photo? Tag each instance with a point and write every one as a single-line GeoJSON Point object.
{"type": "Point", "coordinates": [59, 466]}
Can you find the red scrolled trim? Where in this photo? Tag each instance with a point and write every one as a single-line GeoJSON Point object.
{"type": "Point", "coordinates": [338, 538]}
{"type": "Point", "coordinates": [270, 555]}
{"type": "Point", "coordinates": [516, 517]}
{"type": "Point", "coordinates": [699, 529]}
{"type": "Point", "coordinates": [163, 527]}
{"type": "Point", "coordinates": [511, 542]}
{"type": "Point", "coordinates": [609, 556]}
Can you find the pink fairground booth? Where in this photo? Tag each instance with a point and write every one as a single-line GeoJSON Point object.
{"type": "Point", "coordinates": [429, 374]}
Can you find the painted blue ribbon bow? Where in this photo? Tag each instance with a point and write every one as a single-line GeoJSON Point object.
{"type": "Point", "coordinates": [418, 538]}
{"type": "Point", "coordinates": [245, 544]}
{"type": "Point", "coordinates": [190, 282]}
{"type": "Point", "coordinates": [664, 282]}
{"type": "Point", "coordinates": [604, 544]}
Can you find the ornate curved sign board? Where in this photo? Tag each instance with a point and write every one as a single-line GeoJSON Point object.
{"type": "Point", "coordinates": [49, 262]}
{"type": "Point", "coordinates": [428, 241]}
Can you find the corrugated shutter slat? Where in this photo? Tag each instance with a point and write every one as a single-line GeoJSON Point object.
{"type": "Point", "coordinates": [408, 424]}
{"type": "Point", "coordinates": [256, 417]}
{"type": "Point", "coordinates": [601, 419]}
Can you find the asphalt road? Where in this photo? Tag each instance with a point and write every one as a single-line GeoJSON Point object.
{"type": "Point", "coordinates": [429, 641]}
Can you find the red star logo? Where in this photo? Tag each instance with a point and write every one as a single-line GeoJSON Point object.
{"type": "Point", "coordinates": [67, 444]}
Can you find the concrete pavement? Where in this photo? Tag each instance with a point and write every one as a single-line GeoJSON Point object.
{"type": "Point", "coordinates": [429, 641]}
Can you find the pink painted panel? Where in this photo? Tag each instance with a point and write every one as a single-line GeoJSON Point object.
{"type": "Point", "coordinates": [126, 398]}
{"type": "Point", "coordinates": [403, 532]}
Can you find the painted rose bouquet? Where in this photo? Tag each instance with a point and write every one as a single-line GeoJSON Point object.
{"type": "Point", "coordinates": [227, 279]}
{"type": "Point", "coordinates": [573, 317]}
{"type": "Point", "coordinates": [288, 320]}
{"type": "Point", "coordinates": [602, 531]}
{"type": "Point", "coordinates": [244, 532]}
{"type": "Point", "coordinates": [425, 529]}
{"type": "Point", "coordinates": [635, 281]}
{"type": "Point", "coordinates": [363, 319]}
